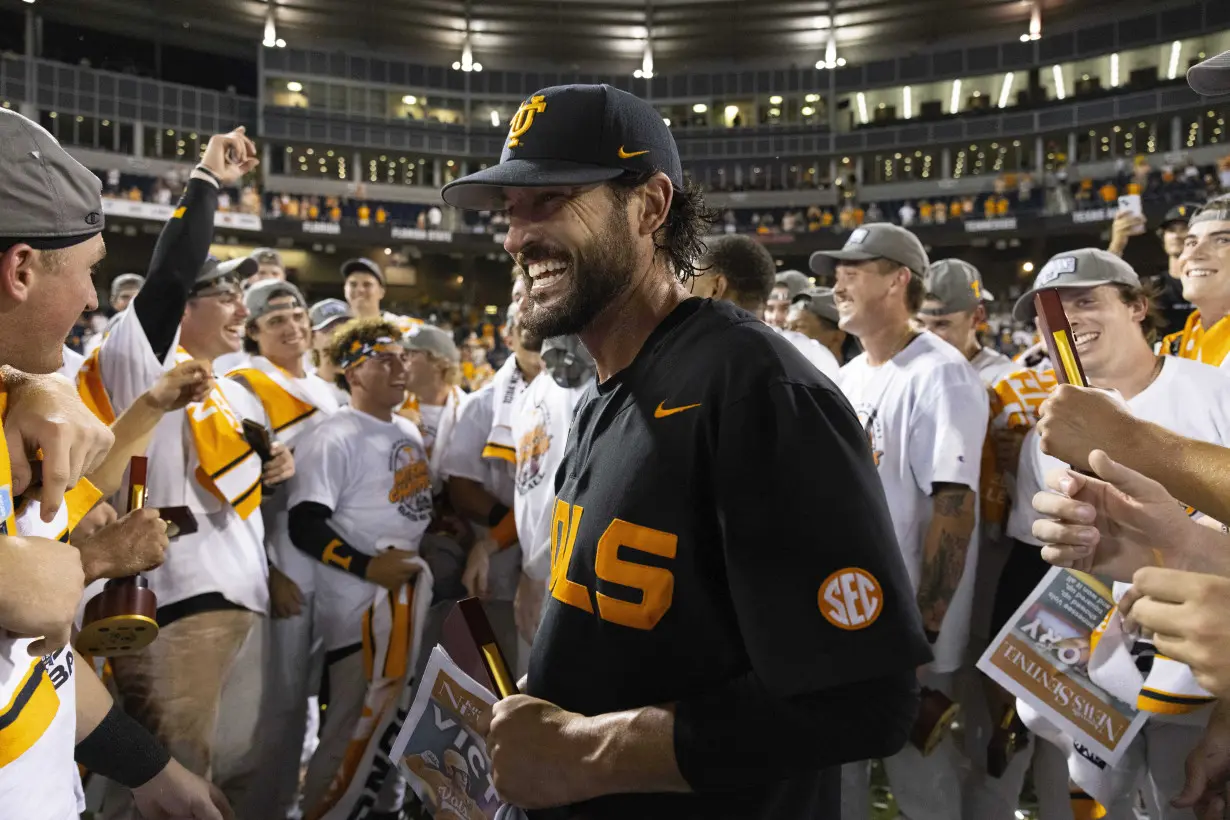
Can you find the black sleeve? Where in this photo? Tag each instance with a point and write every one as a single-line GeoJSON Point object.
{"type": "Point", "coordinates": [714, 732]}
{"type": "Point", "coordinates": [311, 533]}
{"type": "Point", "coordinates": [178, 257]}
{"type": "Point", "coordinates": [819, 587]}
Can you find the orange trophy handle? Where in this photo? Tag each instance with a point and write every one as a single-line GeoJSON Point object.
{"type": "Point", "coordinates": [122, 619]}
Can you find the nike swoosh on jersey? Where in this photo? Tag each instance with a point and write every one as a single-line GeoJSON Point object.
{"type": "Point", "coordinates": [662, 411]}
{"type": "Point", "coordinates": [630, 154]}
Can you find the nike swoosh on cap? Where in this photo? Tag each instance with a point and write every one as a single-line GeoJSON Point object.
{"type": "Point", "coordinates": [630, 154]}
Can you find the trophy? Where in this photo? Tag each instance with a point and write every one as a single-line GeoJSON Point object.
{"type": "Point", "coordinates": [261, 441]}
{"type": "Point", "coordinates": [470, 642]}
{"type": "Point", "coordinates": [122, 619]}
{"type": "Point", "coordinates": [936, 712]}
{"type": "Point", "coordinates": [1056, 332]}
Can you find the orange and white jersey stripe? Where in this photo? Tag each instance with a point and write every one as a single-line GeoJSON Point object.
{"type": "Point", "coordinates": [1194, 341]}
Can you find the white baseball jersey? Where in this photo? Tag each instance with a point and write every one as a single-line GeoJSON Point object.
{"type": "Point", "coordinates": [290, 561]}
{"type": "Point", "coordinates": [816, 353]}
{"type": "Point", "coordinates": [38, 701]}
{"type": "Point", "coordinates": [541, 417]}
{"type": "Point", "coordinates": [463, 458]}
{"type": "Point", "coordinates": [374, 476]}
{"type": "Point", "coordinates": [992, 365]}
{"type": "Point", "coordinates": [227, 554]}
{"type": "Point", "coordinates": [1188, 397]}
{"type": "Point", "coordinates": [436, 424]}
{"type": "Point", "coordinates": [925, 413]}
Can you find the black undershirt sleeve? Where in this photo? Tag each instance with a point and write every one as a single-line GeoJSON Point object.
{"type": "Point", "coordinates": [178, 258]}
{"type": "Point", "coordinates": [865, 720]}
{"type": "Point", "coordinates": [310, 532]}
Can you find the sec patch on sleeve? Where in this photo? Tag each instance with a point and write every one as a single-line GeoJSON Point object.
{"type": "Point", "coordinates": [851, 599]}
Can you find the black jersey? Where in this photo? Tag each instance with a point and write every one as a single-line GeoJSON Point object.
{"type": "Point", "coordinates": [718, 519]}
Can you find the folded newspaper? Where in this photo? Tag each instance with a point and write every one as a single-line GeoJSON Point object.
{"type": "Point", "coordinates": [1042, 656]}
{"type": "Point", "coordinates": [441, 751]}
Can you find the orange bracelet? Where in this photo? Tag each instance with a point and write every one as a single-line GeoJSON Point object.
{"type": "Point", "coordinates": [505, 533]}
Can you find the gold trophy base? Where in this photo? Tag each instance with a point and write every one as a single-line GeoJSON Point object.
{"type": "Point", "coordinates": [120, 620]}
{"type": "Point", "coordinates": [936, 712]}
{"type": "Point", "coordinates": [1009, 737]}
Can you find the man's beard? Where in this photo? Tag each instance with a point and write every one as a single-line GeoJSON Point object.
{"type": "Point", "coordinates": [600, 272]}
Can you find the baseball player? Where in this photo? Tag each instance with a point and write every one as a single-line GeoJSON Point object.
{"type": "Point", "coordinates": [1205, 268]}
{"type": "Point", "coordinates": [269, 266]}
{"type": "Point", "coordinates": [1110, 317]}
{"type": "Point", "coordinates": [433, 372]}
{"type": "Point", "coordinates": [813, 314]}
{"type": "Point", "coordinates": [55, 709]}
{"type": "Point", "coordinates": [786, 285]}
{"type": "Point", "coordinates": [953, 308]}
{"type": "Point", "coordinates": [326, 316]}
{"type": "Point", "coordinates": [295, 403]}
{"type": "Point", "coordinates": [364, 285]}
{"type": "Point", "coordinates": [924, 413]}
{"type": "Point", "coordinates": [359, 506]}
{"type": "Point", "coordinates": [687, 620]}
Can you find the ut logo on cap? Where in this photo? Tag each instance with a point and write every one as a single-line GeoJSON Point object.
{"type": "Point", "coordinates": [851, 599]}
{"type": "Point", "coordinates": [976, 287]}
{"type": "Point", "coordinates": [524, 118]}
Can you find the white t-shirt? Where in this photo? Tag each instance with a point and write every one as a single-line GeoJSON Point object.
{"type": "Point", "coordinates": [816, 353]}
{"type": "Point", "coordinates": [374, 476]}
{"type": "Point", "coordinates": [227, 553]}
{"type": "Point", "coordinates": [1189, 398]}
{"type": "Point", "coordinates": [38, 710]}
{"type": "Point", "coordinates": [229, 361]}
{"type": "Point", "coordinates": [541, 417]}
{"type": "Point", "coordinates": [72, 363]}
{"type": "Point", "coordinates": [429, 423]}
{"type": "Point", "coordinates": [925, 413]}
{"type": "Point", "coordinates": [992, 365]}
{"type": "Point", "coordinates": [291, 561]}
{"type": "Point", "coordinates": [463, 457]}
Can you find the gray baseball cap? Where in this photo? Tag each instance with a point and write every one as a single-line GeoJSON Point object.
{"type": "Point", "coordinates": [257, 298]}
{"type": "Point", "coordinates": [124, 281]}
{"type": "Point", "coordinates": [1082, 268]}
{"type": "Point", "coordinates": [432, 339]}
{"type": "Point", "coordinates": [878, 240]}
{"type": "Point", "coordinates": [215, 270]}
{"type": "Point", "coordinates": [362, 265]}
{"type": "Point", "coordinates": [267, 256]}
{"type": "Point", "coordinates": [47, 199]}
{"type": "Point", "coordinates": [794, 282]}
{"type": "Point", "coordinates": [820, 302]}
{"type": "Point", "coordinates": [1212, 77]}
{"type": "Point", "coordinates": [956, 285]}
{"type": "Point", "coordinates": [327, 311]}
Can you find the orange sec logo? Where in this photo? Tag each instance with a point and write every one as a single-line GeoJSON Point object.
{"type": "Point", "coordinates": [851, 599]}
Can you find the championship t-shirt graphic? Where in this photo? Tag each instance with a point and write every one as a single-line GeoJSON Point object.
{"type": "Point", "coordinates": [411, 481]}
{"type": "Point", "coordinates": [532, 449]}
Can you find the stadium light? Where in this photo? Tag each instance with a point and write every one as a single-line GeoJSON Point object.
{"type": "Point", "coordinates": [294, 86]}
{"type": "Point", "coordinates": [812, 98]}
{"type": "Point", "coordinates": [1028, 267]}
{"type": "Point", "coordinates": [732, 111]}
{"type": "Point", "coordinates": [862, 109]}
{"type": "Point", "coordinates": [1176, 51]}
{"type": "Point", "coordinates": [495, 118]}
{"type": "Point", "coordinates": [907, 101]}
{"type": "Point", "coordinates": [1060, 91]}
{"type": "Point", "coordinates": [409, 99]}
{"type": "Point", "coordinates": [955, 103]}
{"type": "Point", "coordinates": [271, 38]}
{"type": "Point", "coordinates": [466, 63]}
{"type": "Point", "coordinates": [1114, 71]}
{"type": "Point", "coordinates": [700, 108]}
{"type": "Point", "coordinates": [775, 100]}
{"type": "Point", "coordinates": [1006, 91]}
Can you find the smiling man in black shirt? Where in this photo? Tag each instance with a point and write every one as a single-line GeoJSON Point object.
{"type": "Point", "coordinates": [729, 618]}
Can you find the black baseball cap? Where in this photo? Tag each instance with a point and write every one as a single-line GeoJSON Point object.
{"type": "Point", "coordinates": [1180, 213]}
{"type": "Point", "coordinates": [362, 265]}
{"type": "Point", "coordinates": [572, 135]}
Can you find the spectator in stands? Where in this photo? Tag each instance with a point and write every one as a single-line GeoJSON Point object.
{"type": "Point", "coordinates": [874, 214]}
{"type": "Point", "coordinates": [1168, 283]}
{"type": "Point", "coordinates": [1108, 193]}
{"type": "Point", "coordinates": [787, 285]}
{"type": "Point", "coordinates": [365, 214]}
{"type": "Point", "coordinates": [382, 216]}
{"type": "Point", "coordinates": [906, 214]}
{"type": "Point", "coordinates": [926, 212]}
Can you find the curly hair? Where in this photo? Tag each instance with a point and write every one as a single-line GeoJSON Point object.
{"type": "Point", "coordinates": [1153, 324]}
{"type": "Point", "coordinates": [356, 330]}
{"type": "Point", "coordinates": [682, 236]}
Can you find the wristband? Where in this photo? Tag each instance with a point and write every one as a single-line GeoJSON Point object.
{"type": "Point", "coordinates": [202, 173]}
{"type": "Point", "coordinates": [498, 511]}
{"type": "Point", "coordinates": [504, 533]}
{"type": "Point", "coordinates": [122, 750]}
